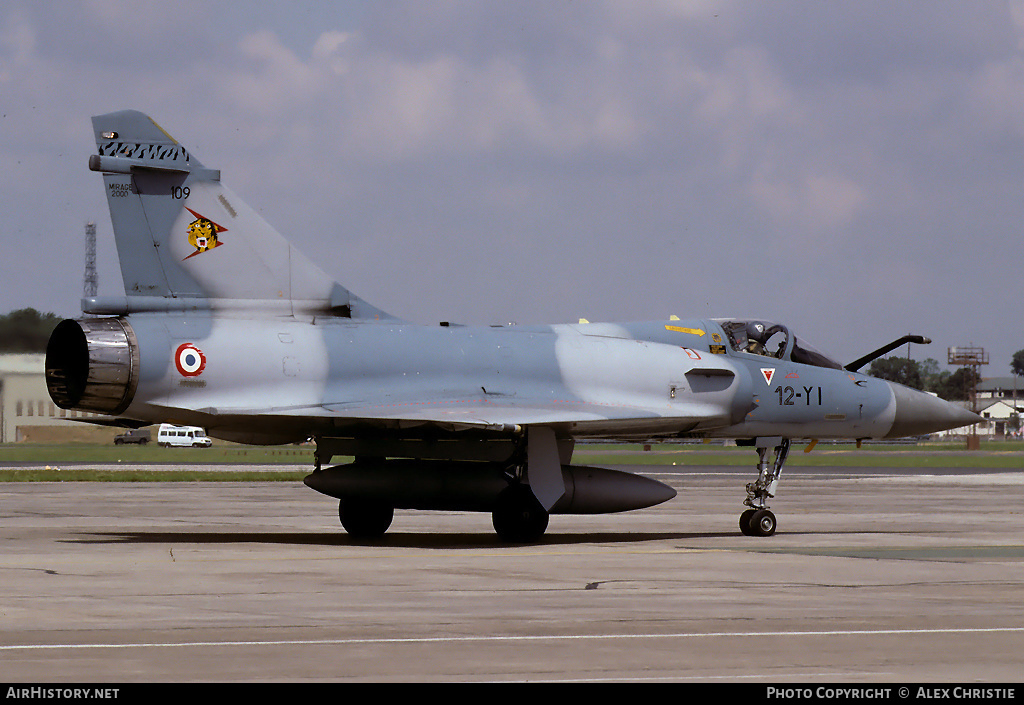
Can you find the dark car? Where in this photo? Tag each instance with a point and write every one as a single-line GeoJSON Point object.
{"type": "Point", "coordinates": [140, 436]}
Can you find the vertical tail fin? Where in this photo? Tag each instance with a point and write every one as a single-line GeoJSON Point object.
{"type": "Point", "coordinates": [186, 241]}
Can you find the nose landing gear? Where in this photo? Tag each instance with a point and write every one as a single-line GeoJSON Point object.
{"type": "Point", "coordinates": [758, 520]}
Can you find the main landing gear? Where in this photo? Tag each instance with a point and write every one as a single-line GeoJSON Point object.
{"type": "Point", "coordinates": [365, 519]}
{"type": "Point", "coordinates": [518, 517]}
{"type": "Point", "coordinates": [758, 520]}
{"type": "Point", "coordinates": [520, 514]}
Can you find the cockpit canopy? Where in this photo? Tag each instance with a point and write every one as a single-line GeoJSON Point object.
{"type": "Point", "coordinates": [773, 340]}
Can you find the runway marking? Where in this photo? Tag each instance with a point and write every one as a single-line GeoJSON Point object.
{"type": "Point", "coordinates": [513, 638]}
{"type": "Point", "coordinates": [726, 677]}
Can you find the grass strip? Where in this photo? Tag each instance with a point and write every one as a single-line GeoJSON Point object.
{"type": "Point", "coordinates": [56, 454]}
{"type": "Point", "coordinates": [54, 474]}
{"type": "Point", "coordinates": [71, 462]}
{"type": "Point", "coordinates": [799, 459]}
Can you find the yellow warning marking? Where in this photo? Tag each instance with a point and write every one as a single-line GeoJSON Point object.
{"type": "Point", "coordinates": [157, 125]}
{"type": "Point", "coordinates": [691, 331]}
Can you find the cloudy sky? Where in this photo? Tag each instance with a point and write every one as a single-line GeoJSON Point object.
{"type": "Point", "coordinates": [854, 170]}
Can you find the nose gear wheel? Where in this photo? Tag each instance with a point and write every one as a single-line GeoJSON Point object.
{"type": "Point", "coordinates": [758, 520]}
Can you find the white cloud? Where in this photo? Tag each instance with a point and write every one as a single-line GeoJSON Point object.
{"type": "Point", "coordinates": [813, 202]}
{"type": "Point", "coordinates": [381, 105]}
{"type": "Point", "coordinates": [17, 46]}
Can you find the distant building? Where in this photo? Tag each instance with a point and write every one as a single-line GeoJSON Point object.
{"type": "Point", "coordinates": [1008, 388]}
{"type": "Point", "coordinates": [999, 400]}
{"type": "Point", "coordinates": [24, 402]}
{"type": "Point", "coordinates": [998, 418]}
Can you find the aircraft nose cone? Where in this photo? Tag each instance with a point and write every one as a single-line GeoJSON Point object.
{"type": "Point", "coordinates": [919, 413]}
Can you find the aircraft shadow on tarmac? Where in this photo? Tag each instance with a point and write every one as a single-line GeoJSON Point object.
{"type": "Point", "coordinates": [432, 540]}
{"type": "Point", "coordinates": [391, 540]}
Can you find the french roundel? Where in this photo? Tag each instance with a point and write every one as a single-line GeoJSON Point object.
{"type": "Point", "coordinates": [189, 360]}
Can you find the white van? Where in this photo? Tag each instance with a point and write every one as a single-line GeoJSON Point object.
{"type": "Point", "coordinates": [191, 436]}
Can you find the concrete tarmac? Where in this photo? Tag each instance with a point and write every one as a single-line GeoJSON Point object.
{"type": "Point", "coordinates": [872, 577]}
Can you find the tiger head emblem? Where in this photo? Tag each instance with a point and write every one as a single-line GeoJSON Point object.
{"type": "Point", "coordinates": [203, 233]}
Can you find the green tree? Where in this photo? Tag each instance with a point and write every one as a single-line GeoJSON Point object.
{"type": "Point", "coordinates": [1017, 363]}
{"type": "Point", "coordinates": [898, 369]}
{"type": "Point", "coordinates": [26, 330]}
{"type": "Point", "coordinates": [957, 386]}
{"type": "Point", "coordinates": [933, 377]}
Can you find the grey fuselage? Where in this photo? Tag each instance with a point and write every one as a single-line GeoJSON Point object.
{"type": "Point", "coordinates": [288, 379]}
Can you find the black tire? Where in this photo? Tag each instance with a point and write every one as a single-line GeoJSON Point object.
{"type": "Point", "coordinates": [365, 519]}
{"type": "Point", "coordinates": [762, 523]}
{"type": "Point", "coordinates": [518, 516]}
{"type": "Point", "coordinates": [745, 522]}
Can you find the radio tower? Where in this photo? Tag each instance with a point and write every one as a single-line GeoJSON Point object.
{"type": "Point", "coordinates": [971, 358]}
{"type": "Point", "coordinates": [90, 284]}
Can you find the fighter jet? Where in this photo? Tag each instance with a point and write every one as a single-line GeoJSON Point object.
{"type": "Point", "coordinates": [226, 325]}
